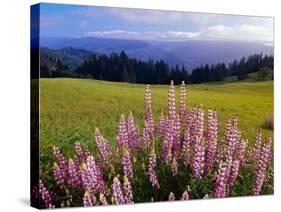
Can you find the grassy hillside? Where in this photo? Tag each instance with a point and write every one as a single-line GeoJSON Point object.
{"type": "Point", "coordinates": [72, 108]}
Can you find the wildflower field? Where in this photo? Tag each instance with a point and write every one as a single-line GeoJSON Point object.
{"type": "Point", "coordinates": [117, 143]}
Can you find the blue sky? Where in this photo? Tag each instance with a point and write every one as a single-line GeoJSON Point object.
{"type": "Point", "coordinates": [79, 21]}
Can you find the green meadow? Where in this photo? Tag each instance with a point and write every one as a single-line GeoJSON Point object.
{"type": "Point", "coordinates": [71, 109]}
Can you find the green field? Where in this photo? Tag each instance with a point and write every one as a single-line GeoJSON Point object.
{"type": "Point", "coordinates": [70, 109]}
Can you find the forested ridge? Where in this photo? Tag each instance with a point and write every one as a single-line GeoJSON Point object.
{"type": "Point", "coordinates": [120, 67]}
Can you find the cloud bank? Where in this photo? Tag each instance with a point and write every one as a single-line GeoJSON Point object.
{"type": "Point", "coordinates": [249, 33]}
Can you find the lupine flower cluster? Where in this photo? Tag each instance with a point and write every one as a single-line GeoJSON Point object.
{"type": "Point", "coordinates": [102, 145]}
{"type": "Point", "coordinates": [127, 164]}
{"type": "Point", "coordinates": [151, 170]}
{"type": "Point", "coordinates": [43, 196]}
{"type": "Point", "coordinates": [262, 166]}
{"type": "Point", "coordinates": [122, 194]}
{"type": "Point", "coordinates": [211, 139]}
{"type": "Point", "coordinates": [148, 117]}
{"type": "Point", "coordinates": [183, 150]}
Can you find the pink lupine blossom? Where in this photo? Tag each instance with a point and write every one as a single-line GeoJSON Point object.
{"type": "Point", "coordinates": [198, 160]}
{"type": "Point", "coordinates": [74, 176]}
{"type": "Point", "coordinates": [59, 156]}
{"type": "Point", "coordinates": [82, 153]}
{"type": "Point", "coordinates": [91, 176]}
{"type": "Point", "coordinates": [151, 170]}
{"type": "Point", "coordinates": [232, 136]}
{"type": "Point", "coordinates": [199, 122]}
{"type": "Point", "coordinates": [117, 192]}
{"type": "Point", "coordinates": [88, 199]}
{"type": "Point", "coordinates": [233, 173]}
{"type": "Point", "coordinates": [148, 108]}
{"type": "Point", "coordinates": [241, 151]}
{"type": "Point", "coordinates": [262, 166]}
{"type": "Point", "coordinates": [59, 175]}
{"type": "Point", "coordinates": [171, 102]}
{"type": "Point", "coordinates": [235, 126]}
{"type": "Point", "coordinates": [147, 135]}
{"type": "Point", "coordinates": [60, 168]}
{"type": "Point", "coordinates": [168, 143]}
{"type": "Point", "coordinates": [45, 195]}
{"type": "Point", "coordinates": [127, 164]}
{"type": "Point", "coordinates": [122, 132]}
{"type": "Point", "coordinates": [231, 142]}
{"type": "Point", "coordinates": [176, 145]}
{"type": "Point", "coordinates": [133, 139]}
{"type": "Point", "coordinates": [171, 196]}
{"type": "Point", "coordinates": [186, 148]}
{"type": "Point", "coordinates": [127, 191]}
{"type": "Point", "coordinates": [182, 102]}
{"type": "Point", "coordinates": [220, 184]}
{"type": "Point", "coordinates": [103, 145]}
{"type": "Point", "coordinates": [257, 148]}
{"type": "Point", "coordinates": [185, 195]}
{"type": "Point", "coordinates": [211, 140]}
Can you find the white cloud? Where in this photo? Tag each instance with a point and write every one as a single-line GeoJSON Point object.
{"type": "Point", "coordinates": [183, 35]}
{"type": "Point", "coordinates": [113, 34]}
{"type": "Point", "coordinates": [170, 35]}
{"type": "Point", "coordinates": [242, 32]}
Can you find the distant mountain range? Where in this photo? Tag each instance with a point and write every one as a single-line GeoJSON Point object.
{"type": "Point", "coordinates": [191, 53]}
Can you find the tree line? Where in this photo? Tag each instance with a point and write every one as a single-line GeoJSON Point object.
{"type": "Point", "coordinates": [122, 68]}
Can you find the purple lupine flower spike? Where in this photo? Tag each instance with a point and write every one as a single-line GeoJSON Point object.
{"type": "Point", "coordinates": [88, 199]}
{"type": "Point", "coordinates": [127, 191]}
{"type": "Point", "coordinates": [198, 160]}
{"type": "Point", "coordinates": [199, 122]}
{"type": "Point", "coordinates": [260, 172]}
{"type": "Point", "coordinates": [171, 102]}
{"type": "Point", "coordinates": [74, 176]}
{"type": "Point", "coordinates": [151, 169]}
{"type": "Point", "coordinates": [176, 146]}
{"type": "Point", "coordinates": [91, 176]}
{"type": "Point", "coordinates": [257, 148]}
{"type": "Point", "coordinates": [146, 135]}
{"type": "Point", "coordinates": [60, 168]}
{"type": "Point", "coordinates": [233, 173]}
{"type": "Point", "coordinates": [45, 195]}
{"type": "Point", "coordinates": [82, 153]}
{"type": "Point", "coordinates": [182, 102]}
{"type": "Point", "coordinates": [241, 151]}
{"type": "Point", "coordinates": [117, 192]}
{"type": "Point", "coordinates": [127, 163]}
{"type": "Point", "coordinates": [220, 184]}
{"type": "Point", "coordinates": [211, 140]}
{"type": "Point", "coordinates": [186, 148]}
{"type": "Point", "coordinates": [122, 132]}
{"type": "Point", "coordinates": [102, 144]}
{"type": "Point", "coordinates": [148, 108]}
{"type": "Point", "coordinates": [168, 143]}
{"type": "Point", "coordinates": [133, 139]}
